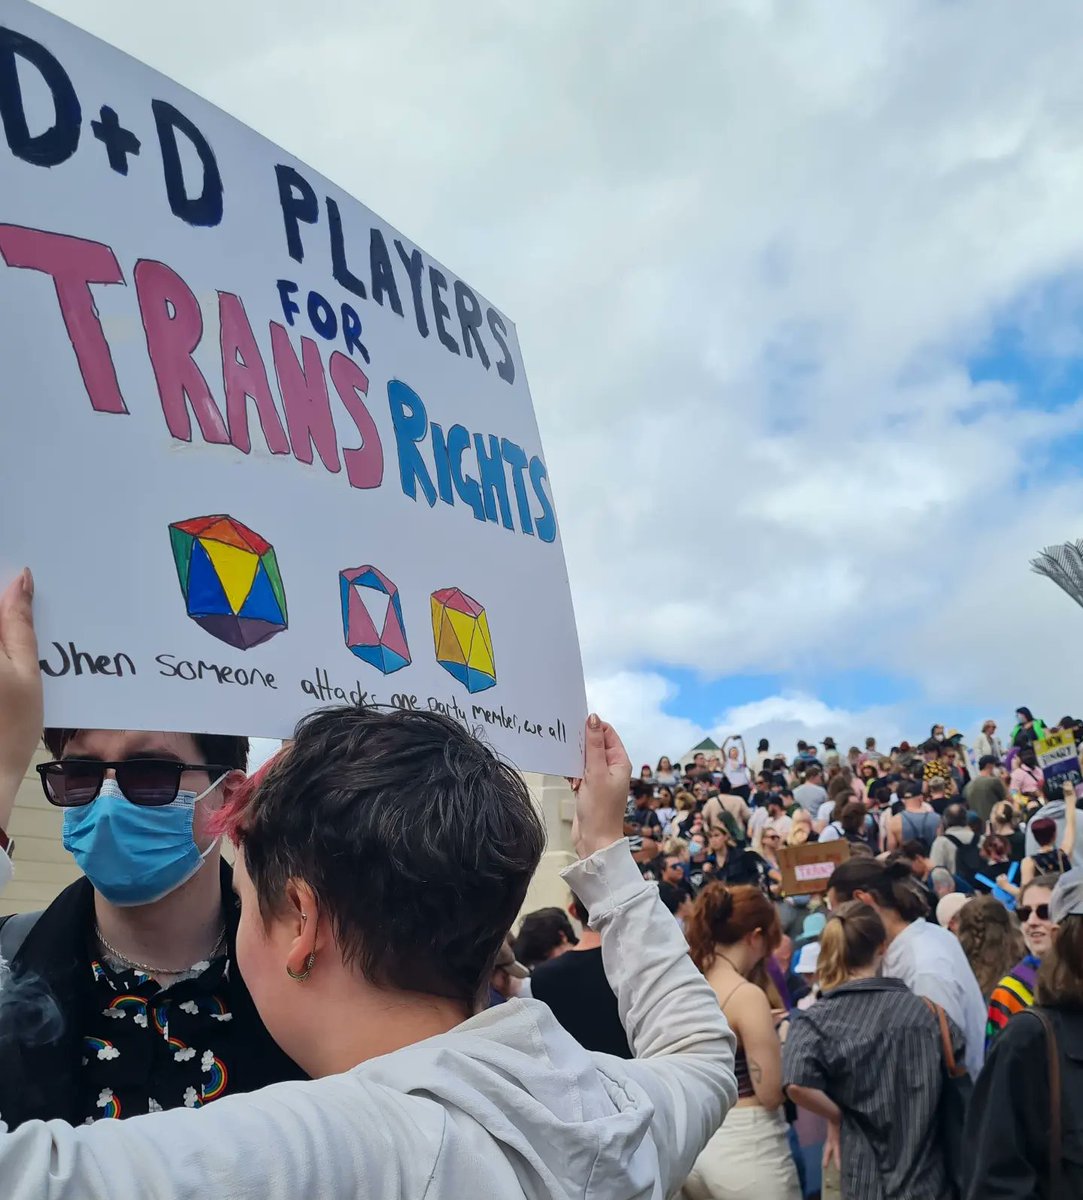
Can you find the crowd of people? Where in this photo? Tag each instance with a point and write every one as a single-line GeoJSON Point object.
{"type": "Point", "coordinates": [847, 1004]}
{"type": "Point", "coordinates": [353, 1009]}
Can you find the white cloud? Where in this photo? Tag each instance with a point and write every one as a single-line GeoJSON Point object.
{"type": "Point", "coordinates": [635, 702]}
{"type": "Point", "coordinates": [749, 248]}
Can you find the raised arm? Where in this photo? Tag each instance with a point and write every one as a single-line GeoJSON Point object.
{"type": "Point", "coordinates": [20, 697]}
{"type": "Point", "coordinates": [1068, 841]}
{"type": "Point", "coordinates": [682, 1042]}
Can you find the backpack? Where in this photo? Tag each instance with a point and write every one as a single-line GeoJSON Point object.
{"type": "Point", "coordinates": [926, 832]}
{"type": "Point", "coordinates": [968, 862]}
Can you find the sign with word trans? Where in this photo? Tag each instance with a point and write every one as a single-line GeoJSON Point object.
{"type": "Point", "coordinates": [261, 451]}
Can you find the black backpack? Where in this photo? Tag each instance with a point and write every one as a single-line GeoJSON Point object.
{"type": "Point", "coordinates": [968, 862]}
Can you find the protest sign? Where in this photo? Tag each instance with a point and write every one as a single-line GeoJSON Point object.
{"type": "Point", "coordinates": [806, 869]}
{"type": "Point", "coordinates": [261, 451]}
{"type": "Point", "coordinates": [1058, 757]}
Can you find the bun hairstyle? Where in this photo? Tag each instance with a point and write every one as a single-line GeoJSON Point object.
{"type": "Point", "coordinates": [853, 934]}
{"type": "Point", "coordinates": [891, 885]}
{"type": "Point", "coordinates": [722, 916]}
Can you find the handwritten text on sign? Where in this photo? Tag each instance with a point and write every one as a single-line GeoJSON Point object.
{"type": "Point", "coordinates": [287, 452]}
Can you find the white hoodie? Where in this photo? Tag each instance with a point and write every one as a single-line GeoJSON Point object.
{"type": "Point", "coordinates": [506, 1105]}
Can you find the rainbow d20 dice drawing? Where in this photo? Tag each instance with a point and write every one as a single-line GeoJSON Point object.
{"type": "Point", "coordinates": [372, 619]}
{"type": "Point", "coordinates": [460, 633]}
{"type": "Point", "coordinates": [230, 580]}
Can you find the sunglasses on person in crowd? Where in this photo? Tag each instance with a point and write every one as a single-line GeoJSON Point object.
{"type": "Point", "coordinates": [1041, 911]}
{"type": "Point", "coordinates": [147, 782]}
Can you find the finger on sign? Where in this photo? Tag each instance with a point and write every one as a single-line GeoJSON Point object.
{"type": "Point", "coordinates": [17, 637]}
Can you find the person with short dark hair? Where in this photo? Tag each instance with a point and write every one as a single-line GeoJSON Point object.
{"type": "Point", "coordinates": [543, 934]}
{"type": "Point", "coordinates": [144, 942]}
{"type": "Point", "coordinates": [811, 794]}
{"type": "Point", "coordinates": [575, 987]}
{"type": "Point", "coordinates": [924, 956]}
{"type": "Point", "coordinates": [673, 874]}
{"type": "Point", "coordinates": [381, 858]}
{"type": "Point", "coordinates": [986, 789]}
{"type": "Point", "coordinates": [915, 819]}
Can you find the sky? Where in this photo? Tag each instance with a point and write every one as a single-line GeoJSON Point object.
{"type": "Point", "coordinates": [799, 289]}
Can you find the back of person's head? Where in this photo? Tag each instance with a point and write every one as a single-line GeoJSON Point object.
{"type": "Point", "coordinates": [853, 817]}
{"type": "Point", "coordinates": [1004, 814]}
{"type": "Point", "coordinates": [839, 787]}
{"type": "Point", "coordinates": [942, 880]}
{"type": "Point", "coordinates": [416, 840]}
{"type": "Point", "coordinates": [723, 916]}
{"type": "Point", "coordinates": [991, 940]}
{"type": "Point", "coordinates": [541, 933]}
{"type": "Point", "coordinates": [870, 742]}
{"type": "Point", "coordinates": [675, 845]}
{"type": "Point", "coordinates": [914, 849]}
{"type": "Point", "coordinates": [1044, 830]}
{"type": "Point", "coordinates": [851, 939]}
{"type": "Point", "coordinates": [909, 789]}
{"type": "Point", "coordinates": [889, 886]}
{"type": "Point", "coordinates": [814, 774]}
{"type": "Point", "coordinates": [954, 817]}
{"type": "Point", "coordinates": [579, 910]}
{"type": "Point", "coordinates": [763, 747]}
{"type": "Point", "coordinates": [684, 802]}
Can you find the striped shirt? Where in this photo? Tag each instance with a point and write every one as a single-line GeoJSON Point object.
{"type": "Point", "coordinates": [1012, 994]}
{"type": "Point", "coordinates": [874, 1048]}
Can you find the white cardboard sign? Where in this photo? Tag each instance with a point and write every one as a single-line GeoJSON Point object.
{"type": "Point", "coordinates": [261, 451]}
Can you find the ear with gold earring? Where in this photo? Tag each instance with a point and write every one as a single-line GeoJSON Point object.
{"type": "Point", "coordinates": [301, 976]}
{"type": "Point", "coordinates": [310, 961]}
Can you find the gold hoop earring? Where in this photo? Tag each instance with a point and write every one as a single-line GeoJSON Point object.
{"type": "Point", "coordinates": [301, 976]}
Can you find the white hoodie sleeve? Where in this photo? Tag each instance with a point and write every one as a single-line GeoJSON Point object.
{"type": "Point", "coordinates": [682, 1042]}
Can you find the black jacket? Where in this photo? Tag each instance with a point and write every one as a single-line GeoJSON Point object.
{"type": "Point", "coordinates": [41, 1081]}
{"type": "Point", "coordinates": [1007, 1127]}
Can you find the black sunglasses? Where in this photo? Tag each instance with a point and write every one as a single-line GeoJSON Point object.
{"type": "Point", "coordinates": [1041, 911]}
{"type": "Point", "coordinates": [148, 782]}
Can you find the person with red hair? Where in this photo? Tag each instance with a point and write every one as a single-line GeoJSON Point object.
{"type": "Point", "coordinates": [731, 931]}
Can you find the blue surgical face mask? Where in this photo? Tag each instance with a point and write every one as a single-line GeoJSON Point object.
{"type": "Point", "coordinates": [131, 853]}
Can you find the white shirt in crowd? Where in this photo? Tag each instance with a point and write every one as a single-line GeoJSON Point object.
{"type": "Point", "coordinates": [761, 820]}
{"type": "Point", "coordinates": [931, 961]}
{"type": "Point", "coordinates": [505, 1105]}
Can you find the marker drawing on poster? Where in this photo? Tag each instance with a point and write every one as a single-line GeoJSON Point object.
{"type": "Point", "coordinates": [262, 452]}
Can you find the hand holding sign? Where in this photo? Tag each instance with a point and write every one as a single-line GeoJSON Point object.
{"type": "Point", "coordinates": [20, 689]}
{"type": "Point", "coordinates": [602, 794]}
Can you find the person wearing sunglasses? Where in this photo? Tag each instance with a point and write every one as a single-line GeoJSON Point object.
{"type": "Point", "coordinates": [137, 958]}
{"type": "Point", "coordinates": [1015, 992]}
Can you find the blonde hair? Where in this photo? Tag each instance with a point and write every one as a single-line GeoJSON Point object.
{"type": "Point", "coordinates": [674, 845]}
{"type": "Point", "coordinates": [853, 934]}
{"type": "Point", "coordinates": [800, 822]}
{"type": "Point", "coordinates": [684, 802]}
